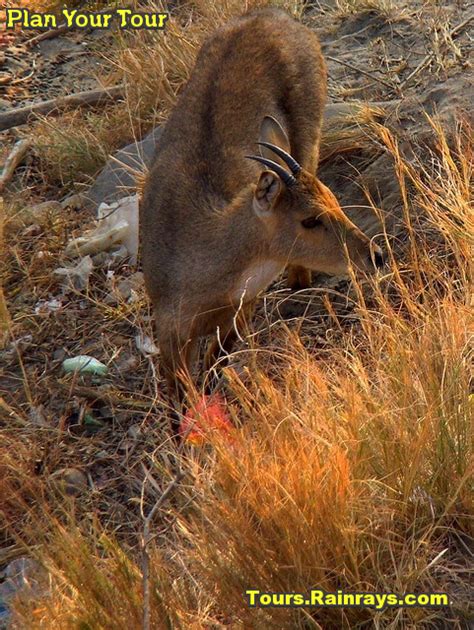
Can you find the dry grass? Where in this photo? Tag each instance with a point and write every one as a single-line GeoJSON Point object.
{"type": "Point", "coordinates": [385, 8]}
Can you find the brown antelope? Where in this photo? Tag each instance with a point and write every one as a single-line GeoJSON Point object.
{"type": "Point", "coordinates": [216, 229]}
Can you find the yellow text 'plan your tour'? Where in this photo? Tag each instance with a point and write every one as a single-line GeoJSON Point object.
{"type": "Point", "coordinates": [73, 18]}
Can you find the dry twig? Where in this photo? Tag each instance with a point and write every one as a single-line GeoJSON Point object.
{"type": "Point", "coordinates": [4, 316]}
{"type": "Point", "coordinates": [146, 540]}
{"type": "Point", "coordinates": [13, 160]}
{"type": "Point", "coordinates": [21, 115]}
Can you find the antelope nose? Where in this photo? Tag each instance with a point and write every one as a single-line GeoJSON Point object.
{"type": "Point", "coordinates": [377, 257]}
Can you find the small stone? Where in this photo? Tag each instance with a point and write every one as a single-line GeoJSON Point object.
{"type": "Point", "coordinates": [32, 230]}
{"type": "Point", "coordinates": [59, 354]}
{"type": "Point", "coordinates": [134, 431]}
{"type": "Point", "coordinates": [70, 481]}
{"type": "Point", "coordinates": [74, 202]}
{"type": "Point", "coordinates": [42, 210]}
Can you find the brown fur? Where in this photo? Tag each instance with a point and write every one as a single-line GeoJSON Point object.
{"type": "Point", "coordinates": [208, 214]}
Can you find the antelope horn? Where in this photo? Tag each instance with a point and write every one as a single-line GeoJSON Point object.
{"type": "Point", "coordinates": [288, 179]}
{"type": "Point", "coordinates": [293, 165]}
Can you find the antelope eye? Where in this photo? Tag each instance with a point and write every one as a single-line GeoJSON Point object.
{"type": "Point", "coordinates": [311, 223]}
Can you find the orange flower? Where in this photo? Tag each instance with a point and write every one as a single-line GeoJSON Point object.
{"type": "Point", "coordinates": [209, 416]}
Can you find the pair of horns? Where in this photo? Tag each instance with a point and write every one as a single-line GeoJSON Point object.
{"type": "Point", "coordinates": [295, 168]}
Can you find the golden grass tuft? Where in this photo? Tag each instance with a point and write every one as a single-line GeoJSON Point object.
{"type": "Point", "coordinates": [384, 8]}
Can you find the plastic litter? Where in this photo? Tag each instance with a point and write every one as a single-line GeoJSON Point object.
{"type": "Point", "coordinates": [146, 345]}
{"type": "Point", "coordinates": [76, 277]}
{"type": "Point", "coordinates": [85, 365]}
{"type": "Point", "coordinates": [117, 223]}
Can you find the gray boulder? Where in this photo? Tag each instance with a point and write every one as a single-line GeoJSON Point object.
{"type": "Point", "coordinates": [117, 179]}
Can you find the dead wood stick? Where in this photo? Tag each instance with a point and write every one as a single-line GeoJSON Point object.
{"type": "Point", "coordinates": [103, 393]}
{"type": "Point", "coordinates": [13, 160]}
{"type": "Point", "coordinates": [146, 541]}
{"type": "Point", "coordinates": [4, 316]}
{"type": "Point", "coordinates": [54, 32]}
{"type": "Point", "coordinates": [21, 115]}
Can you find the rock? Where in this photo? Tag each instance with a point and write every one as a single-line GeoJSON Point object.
{"type": "Point", "coordinates": [116, 178]}
{"type": "Point", "coordinates": [59, 354]}
{"type": "Point", "coordinates": [126, 289]}
{"type": "Point", "coordinates": [42, 210]}
{"type": "Point", "coordinates": [19, 577]}
{"type": "Point", "coordinates": [74, 202]}
{"type": "Point", "coordinates": [70, 481]}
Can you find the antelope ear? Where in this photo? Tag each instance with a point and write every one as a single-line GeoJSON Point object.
{"type": "Point", "coordinates": [271, 131]}
{"type": "Point", "coordinates": [266, 193]}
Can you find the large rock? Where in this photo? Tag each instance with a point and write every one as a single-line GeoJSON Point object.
{"type": "Point", "coordinates": [117, 179]}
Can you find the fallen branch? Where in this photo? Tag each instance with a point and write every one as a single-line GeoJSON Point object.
{"type": "Point", "coordinates": [4, 316]}
{"type": "Point", "coordinates": [13, 160]}
{"type": "Point", "coordinates": [20, 116]}
{"type": "Point", "coordinates": [49, 34]}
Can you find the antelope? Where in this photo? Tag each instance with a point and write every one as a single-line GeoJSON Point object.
{"type": "Point", "coordinates": [232, 198]}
